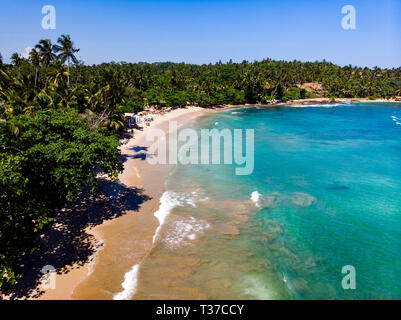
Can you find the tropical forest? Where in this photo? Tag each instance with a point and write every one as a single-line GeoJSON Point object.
{"type": "Point", "coordinates": [61, 120]}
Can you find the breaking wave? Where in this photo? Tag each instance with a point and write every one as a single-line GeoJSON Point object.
{"type": "Point", "coordinates": [129, 284]}
{"type": "Point", "coordinates": [184, 230]}
{"type": "Point", "coordinates": [168, 201]}
{"type": "Point", "coordinates": [255, 197]}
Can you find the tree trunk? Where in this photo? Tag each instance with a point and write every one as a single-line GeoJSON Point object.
{"type": "Point", "coordinates": [68, 71]}
{"type": "Point", "coordinates": [36, 75]}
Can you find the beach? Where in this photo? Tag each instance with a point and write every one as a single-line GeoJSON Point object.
{"type": "Point", "coordinates": [123, 242]}
{"type": "Point", "coordinates": [319, 100]}
{"type": "Point", "coordinates": [155, 159]}
{"type": "Point", "coordinates": [286, 230]}
{"type": "Point", "coordinates": [338, 100]}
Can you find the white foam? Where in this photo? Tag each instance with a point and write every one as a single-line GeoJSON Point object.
{"type": "Point", "coordinates": [129, 284]}
{"type": "Point", "coordinates": [396, 120]}
{"type": "Point", "coordinates": [92, 259]}
{"type": "Point", "coordinates": [255, 197]}
{"type": "Point", "coordinates": [324, 105]}
{"type": "Point", "coordinates": [191, 202]}
{"type": "Point", "coordinates": [192, 236]}
{"type": "Point", "coordinates": [168, 201]}
{"type": "Point", "coordinates": [185, 229]}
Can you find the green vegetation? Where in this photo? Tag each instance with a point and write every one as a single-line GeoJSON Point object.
{"type": "Point", "coordinates": [53, 142]}
{"type": "Point", "coordinates": [47, 80]}
{"type": "Point", "coordinates": [45, 160]}
{"type": "Point", "coordinates": [59, 119]}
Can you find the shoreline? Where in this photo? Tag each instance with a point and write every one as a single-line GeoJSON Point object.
{"type": "Point", "coordinates": [84, 281]}
{"type": "Point", "coordinates": [81, 280]}
{"type": "Point", "coordinates": [312, 101]}
{"type": "Point", "coordinates": [337, 100]}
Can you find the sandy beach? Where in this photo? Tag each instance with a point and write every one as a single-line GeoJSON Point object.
{"type": "Point", "coordinates": [317, 101]}
{"type": "Point", "coordinates": [150, 158]}
{"type": "Point", "coordinates": [122, 241]}
{"type": "Point", "coordinates": [338, 100]}
{"type": "Point", "coordinates": [115, 240]}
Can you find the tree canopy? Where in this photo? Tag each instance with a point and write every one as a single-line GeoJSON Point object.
{"type": "Point", "coordinates": [45, 160]}
{"type": "Point", "coordinates": [58, 79]}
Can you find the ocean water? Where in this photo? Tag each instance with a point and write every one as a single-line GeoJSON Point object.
{"type": "Point", "coordinates": [325, 193]}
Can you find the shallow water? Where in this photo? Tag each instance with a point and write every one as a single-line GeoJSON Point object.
{"type": "Point", "coordinates": [325, 193]}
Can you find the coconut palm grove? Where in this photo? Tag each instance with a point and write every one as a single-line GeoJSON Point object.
{"type": "Point", "coordinates": [60, 120]}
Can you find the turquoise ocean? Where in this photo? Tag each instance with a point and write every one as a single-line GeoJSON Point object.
{"type": "Point", "coordinates": [325, 193]}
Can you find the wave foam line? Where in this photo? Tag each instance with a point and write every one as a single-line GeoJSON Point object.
{"type": "Point", "coordinates": [320, 105]}
{"type": "Point", "coordinates": [92, 259]}
{"type": "Point", "coordinates": [255, 197]}
{"type": "Point", "coordinates": [168, 201]}
{"type": "Point", "coordinates": [129, 285]}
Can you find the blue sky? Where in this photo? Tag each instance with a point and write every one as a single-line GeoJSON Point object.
{"type": "Point", "coordinates": [208, 31]}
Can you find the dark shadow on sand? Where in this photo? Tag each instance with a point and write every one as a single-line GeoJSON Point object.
{"type": "Point", "coordinates": [66, 242]}
{"type": "Point", "coordinates": [140, 153]}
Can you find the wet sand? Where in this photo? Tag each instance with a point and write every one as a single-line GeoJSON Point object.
{"type": "Point", "coordinates": [211, 265]}
{"type": "Point", "coordinates": [126, 240]}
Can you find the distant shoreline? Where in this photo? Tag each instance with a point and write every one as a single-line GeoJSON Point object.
{"type": "Point", "coordinates": [311, 101]}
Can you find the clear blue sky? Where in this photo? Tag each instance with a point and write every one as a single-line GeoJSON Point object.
{"type": "Point", "coordinates": [208, 31]}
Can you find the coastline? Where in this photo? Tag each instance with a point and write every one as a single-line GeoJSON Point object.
{"type": "Point", "coordinates": [84, 281]}
{"type": "Point", "coordinates": [87, 281]}
{"type": "Point", "coordinates": [314, 101]}
{"type": "Point", "coordinates": [337, 100]}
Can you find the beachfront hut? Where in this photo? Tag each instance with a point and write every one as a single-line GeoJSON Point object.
{"type": "Point", "coordinates": [131, 119]}
{"type": "Point", "coordinates": [128, 120]}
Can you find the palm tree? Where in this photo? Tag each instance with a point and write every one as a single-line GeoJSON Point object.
{"type": "Point", "coordinates": [67, 50]}
{"type": "Point", "coordinates": [16, 60]}
{"type": "Point", "coordinates": [34, 57]}
{"type": "Point", "coordinates": [56, 72]}
{"type": "Point", "coordinates": [45, 48]}
{"type": "Point", "coordinates": [4, 81]}
{"type": "Point", "coordinates": [66, 97]}
{"type": "Point", "coordinates": [1, 60]}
